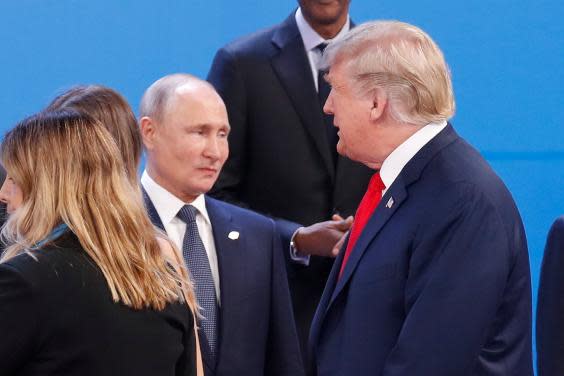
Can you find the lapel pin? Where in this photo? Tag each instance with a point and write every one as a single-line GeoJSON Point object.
{"type": "Point", "coordinates": [390, 203]}
{"type": "Point", "coordinates": [233, 235]}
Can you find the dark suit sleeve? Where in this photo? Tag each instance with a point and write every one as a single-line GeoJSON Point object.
{"type": "Point", "coordinates": [228, 82]}
{"type": "Point", "coordinates": [17, 321]}
{"type": "Point", "coordinates": [282, 353]}
{"type": "Point", "coordinates": [550, 308]}
{"type": "Point", "coordinates": [463, 263]}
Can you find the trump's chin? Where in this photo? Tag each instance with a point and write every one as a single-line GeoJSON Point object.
{"type": "Point", "coordinates": [342, 150]}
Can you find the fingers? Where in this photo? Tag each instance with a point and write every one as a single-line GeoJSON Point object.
{"type": "Point", "coordinates": [343, 224]}
{"type": "Point", "coordinates": [336, 217]}
{"type": "Point", "coordinates": [337, 247]}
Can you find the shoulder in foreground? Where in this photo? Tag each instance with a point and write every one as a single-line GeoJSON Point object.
{"type": "Point", "coordinates": [237, 211]}
{"type": "Point", "coordinates": [62, 251]}
{"type": "Point", "coordinates": [558, 224]}
{"type": "Point", "coordinates": [251, 44]}
{"type": "Point", "coordinates": [556, 234]}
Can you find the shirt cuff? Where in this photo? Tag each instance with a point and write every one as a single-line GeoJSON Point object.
{"type": "Point", "coordinates": [295, 254]}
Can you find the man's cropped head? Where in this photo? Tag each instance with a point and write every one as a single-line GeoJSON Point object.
{"type": "Point", "coordinates": [325, 12]}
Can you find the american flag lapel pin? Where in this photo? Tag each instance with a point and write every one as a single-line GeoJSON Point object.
{"type": "Point", "coordinates": [390, 203]}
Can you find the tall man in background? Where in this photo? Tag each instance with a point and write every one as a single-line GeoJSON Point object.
{"type": "Point", "coordinates": [434, 278]}
{"type": "Point", "coordinates": [233, 254]}
{"type": "Point", "coordinates": [283, 159]}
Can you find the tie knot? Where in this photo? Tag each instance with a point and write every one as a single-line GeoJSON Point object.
{"type": "Point", "coordinates": [321, 47]}
{"type": "Point", "coordinates": [187, 214]}
{"type": "Point", "coordinates": [376, 184]}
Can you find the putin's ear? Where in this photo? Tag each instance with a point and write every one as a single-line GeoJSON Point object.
{"type": "Point", "coordinates": [148, 131]}
{"type": "Point", "coordinates": [379, 103]}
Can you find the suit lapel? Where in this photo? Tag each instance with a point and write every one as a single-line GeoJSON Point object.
{"type": "Point", "coordinates": [152, 211]}
{"type": "Point", "coordinates": [231, 266]}
{"type": "Point", "coordinates": [383, 212]}
{"type": "Point", "coordinates": [292, 68]}
{"type": "Point", "coordinates": [325, 298]}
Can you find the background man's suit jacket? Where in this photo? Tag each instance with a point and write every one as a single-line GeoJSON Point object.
{"type": "Point", "coordinates": [438, 282]}
{"type": "Point", "coordinates": [550, 307]}
{"type": "Point", "coordinates": [257, 334]}
{"type": "Point", "coordinates": [280, 161]}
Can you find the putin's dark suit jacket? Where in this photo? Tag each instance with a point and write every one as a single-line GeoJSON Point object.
{"type": "Point", "coordinates": [57, 318]}
{"type": "Point", "coordinates": [438, 282]}
{"type": "Point", "coordinates": [280, 161]}
{"type": "Point", "coordinates": [550, 307]}
{"type": "Point", "coordinates": [257, 334]}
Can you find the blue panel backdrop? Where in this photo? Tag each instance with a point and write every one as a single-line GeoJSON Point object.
{"type": "Point", "coordinates": [506, 59]}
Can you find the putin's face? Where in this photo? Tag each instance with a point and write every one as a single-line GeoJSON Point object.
{"type": "Point", "coordinates": [188, 147]}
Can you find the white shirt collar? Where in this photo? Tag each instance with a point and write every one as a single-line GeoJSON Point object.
{"type": "Point", "coordinates": [310, 37]}
{"type": "Point", "coordinates": [396, 161]}
{"type": "Point", "coordinates": [167, 204]}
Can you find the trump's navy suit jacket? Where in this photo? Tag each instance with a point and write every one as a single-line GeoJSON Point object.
{"type": "Point", "coordinates": [550, 307]}
{"type": "Point", "coordinates": [438, 282]}
{"type": "Point", "coordinates": [257, 334]}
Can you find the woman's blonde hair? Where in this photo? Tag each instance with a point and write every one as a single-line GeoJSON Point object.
{"type": "Point", "coordinates": [112, 110]}
{"type": "Point", "coordinates": [71, 171]}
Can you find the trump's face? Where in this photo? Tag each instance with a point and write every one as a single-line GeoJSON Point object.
{"type": "Point", "coordinates": [366, 133]}
{"type": "Point", "coordinates": [351, 117]}
{"type": "Point", "coordinates": [188, 148]}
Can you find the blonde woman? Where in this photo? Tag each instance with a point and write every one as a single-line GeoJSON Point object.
{"type": "Point", "coordinates": [84, 286]}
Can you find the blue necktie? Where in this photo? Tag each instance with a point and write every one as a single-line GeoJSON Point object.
{"type": "Point", "coordinates": [197, 262]}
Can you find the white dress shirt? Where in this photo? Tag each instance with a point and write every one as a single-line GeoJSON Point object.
{"type": "Point", "coordinates": [396, 161]}
{"type": "Point", "coordinates": [312, 40]}
{"type": "Point", "coordinates": [167, 206]}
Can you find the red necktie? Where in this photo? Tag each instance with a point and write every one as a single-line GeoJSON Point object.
{"type": "Point", "coordinates": [369, 202]}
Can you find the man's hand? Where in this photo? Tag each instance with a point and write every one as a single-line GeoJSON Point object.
{"type": "Point", "coordinates": [323, 238]}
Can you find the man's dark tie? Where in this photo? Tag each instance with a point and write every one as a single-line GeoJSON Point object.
{"type": "Point", "coordinates": [197, 262]}
{"type": "Point", "coordinates": [323, 90]}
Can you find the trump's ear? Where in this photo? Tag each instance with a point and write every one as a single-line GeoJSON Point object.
{"type": "Point", "coordinates": [379, 103]}
{"type": "Point", "coordinates": [148, 131]}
